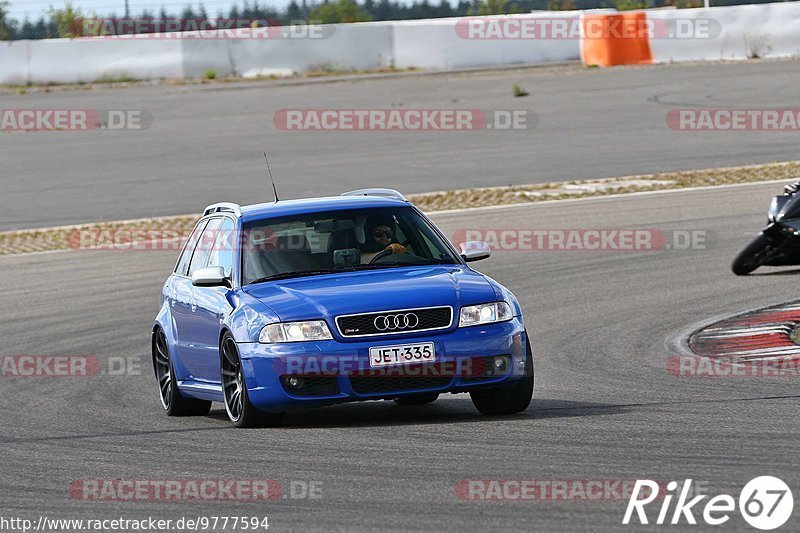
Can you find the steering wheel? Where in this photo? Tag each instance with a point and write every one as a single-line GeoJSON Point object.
{"type": "Point", "coordinates": [380, 255]}
{"type": "Point", "coordinates": [383, 253]}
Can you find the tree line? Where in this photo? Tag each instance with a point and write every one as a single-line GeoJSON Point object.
{"type": "Point", "coordinates": [62, 22]}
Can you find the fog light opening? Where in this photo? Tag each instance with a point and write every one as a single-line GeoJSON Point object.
{"type": "Point", "coordinates": [294, 382]}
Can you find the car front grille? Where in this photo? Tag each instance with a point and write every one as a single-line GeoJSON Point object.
{"type": "Point", "coordinates": [394, 322]}
{"type": "Point", "coordinates": [401, 378]}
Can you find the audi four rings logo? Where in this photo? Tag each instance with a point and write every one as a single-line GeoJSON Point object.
{"type": "Point", "coordinates": [394, 322]}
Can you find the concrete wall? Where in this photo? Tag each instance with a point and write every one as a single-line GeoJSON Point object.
{"type": "Point", "coordinates": [763, 30]}
{"type": "Point", "coordinates": [14, 61]}
{"type": "Point", "coordinates": [76, 60]}
{"type": "Point", "coordinates": [427, 44]}
{"type": "Point", "coordinates": [344, 46]}
{"type": "Point", "coordinates": [435, 44]}
{"type": "Point", "coordinates": [756, 30]}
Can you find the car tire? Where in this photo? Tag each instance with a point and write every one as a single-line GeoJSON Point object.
{"type": "Point", "coordinates": [241, 413]}
{"type": "Point", "coordinates": [417, 399]}
{"type": "Point", "coordinates": [509, 400]}
{"type": "Point", "coordinates": [172, 401]}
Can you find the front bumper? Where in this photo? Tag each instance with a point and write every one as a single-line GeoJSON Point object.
{"type": "Point", "coordinates": [340, 371]}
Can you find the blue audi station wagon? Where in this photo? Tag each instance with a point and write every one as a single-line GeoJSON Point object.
{"type": "Point", "coordinates": [312, 302]}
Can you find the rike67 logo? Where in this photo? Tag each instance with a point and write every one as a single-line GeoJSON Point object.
{"type": "Point", "coordinates": [765, 503]}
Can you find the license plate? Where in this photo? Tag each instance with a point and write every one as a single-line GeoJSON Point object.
{"type": "Point", "coordinates": [402, 354]}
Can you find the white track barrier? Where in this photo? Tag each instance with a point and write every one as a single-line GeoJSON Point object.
{"type": "Point", "coordinates": [756, 30]}
{"type": "Point", "coordinates": [428, 44]}
{"type": "Point", "coordinates": [357, 46]}
{"type": "Point", "coordinates": [82, 60]}
{"type": "Point", "coordinates": [435, 44]}
{"type": "Point", "coordinates": [14, 62]}
{"type": "Point", "coordinates": [762, 30]}
{"type": "Point", "coordinates": [345, 47]}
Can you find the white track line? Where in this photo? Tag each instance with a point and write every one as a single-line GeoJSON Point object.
{"type": "Point", "coordinates": [605, 197]}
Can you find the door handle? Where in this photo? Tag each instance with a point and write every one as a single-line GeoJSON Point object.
{"type": "Point", "coordinates": [194, 305]}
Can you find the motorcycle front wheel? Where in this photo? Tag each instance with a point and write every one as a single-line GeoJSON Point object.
{"type": "Point", "coordinates": [753, 255]}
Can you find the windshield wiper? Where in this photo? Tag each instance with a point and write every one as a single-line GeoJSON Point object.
{"type": "Point", "coordinates": [350, 268]}
{"type": "Point", "coordinates": [372, 267]}
{"type": "Point", "coordinates": [419, 263]}
{"type": "Point", "coordinates": [297, 274]}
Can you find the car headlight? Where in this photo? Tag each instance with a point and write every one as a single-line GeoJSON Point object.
{"type": "Point", "coordinates": [474, 315]}
{"type": "Point", "coordinates": [313, 330]}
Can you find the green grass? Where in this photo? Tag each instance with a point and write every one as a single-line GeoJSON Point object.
{"type": "Point", "coordinates": [109, 79]}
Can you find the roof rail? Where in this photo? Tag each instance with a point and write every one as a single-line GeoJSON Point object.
{"type": "Point", "coordinates": [227, 207]}
{"type": "Point", "coordinates": [384, 193]}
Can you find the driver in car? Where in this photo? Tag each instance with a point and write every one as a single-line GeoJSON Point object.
{"type": "Point", "coordinates": [379, 235]}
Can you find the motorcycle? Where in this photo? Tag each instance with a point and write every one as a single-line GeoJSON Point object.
{"type": "Point", "coordinates": [779, 243]}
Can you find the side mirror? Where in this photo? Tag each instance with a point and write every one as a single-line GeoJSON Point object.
{"type": "Point", "coordinates": [474, 250]}
{"type": "Point", "coordinates": [209, 277]}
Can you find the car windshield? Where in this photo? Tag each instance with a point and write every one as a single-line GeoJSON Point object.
{"type": "Point", "coordinates": [355, 239]}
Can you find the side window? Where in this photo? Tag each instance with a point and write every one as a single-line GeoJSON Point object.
{"type": "Point", "coordinates": [188, 250]}
{"type": "Point", "coordinates": [222, 252]}
{"type": "Point", "coordinates": [204, 244]}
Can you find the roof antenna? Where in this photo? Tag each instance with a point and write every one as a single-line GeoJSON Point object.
{"type": "Point", "coordinates": [274, 190]}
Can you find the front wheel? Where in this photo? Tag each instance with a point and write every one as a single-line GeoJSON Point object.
{"type": "Point", "coordinates": [510, 400]}
{"type": "Point", "coordinates": [241, 412]}
{"type": "Point", "coordinates": [752, 256]}
{"type": "Point", "coordinates": [171, 400]}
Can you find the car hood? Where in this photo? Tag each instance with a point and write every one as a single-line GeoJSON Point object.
{"type": "Point", "coordinates": [331, 295]}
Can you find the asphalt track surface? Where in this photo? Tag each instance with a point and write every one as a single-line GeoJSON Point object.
{"type": "Point", "coordinates": [205, 141]}
{"type": "Point", "coordinates": [605, 406]}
